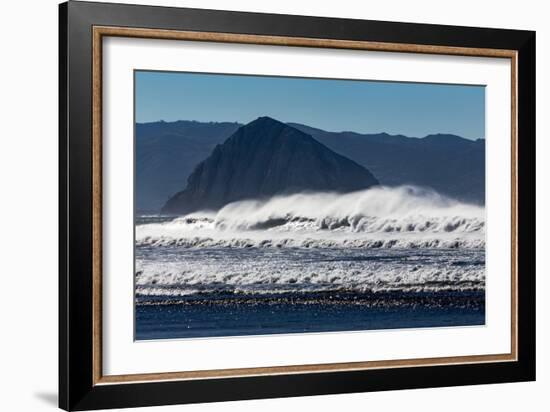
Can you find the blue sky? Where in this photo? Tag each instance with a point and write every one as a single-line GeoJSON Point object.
{"type": "Point", "coordinates": [411, 109]}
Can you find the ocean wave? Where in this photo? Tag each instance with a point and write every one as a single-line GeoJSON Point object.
{"type": "Point", "coordinates": [262, 271]}
{"type": "Point", "coordinates": [380, 217]}
{"type": "Point", "coordinates": [408, 242]}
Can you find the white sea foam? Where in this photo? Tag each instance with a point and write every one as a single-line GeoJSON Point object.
{"type": "Point", "coordinates": [402, 217]}
{"type": "Point", "coordinates": [284, 271]}
{"type": "Point", "coordinates": [381, 239]}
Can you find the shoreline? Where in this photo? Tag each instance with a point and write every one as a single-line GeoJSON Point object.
{"type": "Point", "coordinates": [468, 297]}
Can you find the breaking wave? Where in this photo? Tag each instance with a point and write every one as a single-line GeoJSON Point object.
{"type": "Point", "coordinates": [261, 271]}
{"type": "Point", "coordinates": [381, 217]}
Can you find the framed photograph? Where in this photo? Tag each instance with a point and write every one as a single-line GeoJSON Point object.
{"type": "Point", "coordinates": [257, 205]}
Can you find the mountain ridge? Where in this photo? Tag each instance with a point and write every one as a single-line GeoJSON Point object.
{"type": "Point", "coordinates": [167, 152]}
{"type": "Point", "coordinates": [265, 158]}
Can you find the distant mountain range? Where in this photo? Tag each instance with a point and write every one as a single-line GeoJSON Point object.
{"type": "Point", "coordinates": [266, 158]}
{"type": "Point", "coordinates": [167, 153]}
{"type": "Point", "coordinates": [449, 164]}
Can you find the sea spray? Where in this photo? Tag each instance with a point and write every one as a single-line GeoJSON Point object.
{"type": "Point", "coordinates": [379, 258]}
{"type": "Point", "coordinates": [380, 217]}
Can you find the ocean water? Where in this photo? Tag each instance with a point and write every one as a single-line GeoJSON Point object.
{"type": "Point", "coordinates": [376, 259]}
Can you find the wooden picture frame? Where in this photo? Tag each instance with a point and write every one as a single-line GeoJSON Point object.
{"type": "Point", "coordinates": [82, 384]}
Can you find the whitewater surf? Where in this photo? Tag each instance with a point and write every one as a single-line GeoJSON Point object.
{"type": "Point", "coordinates": [372, 259]}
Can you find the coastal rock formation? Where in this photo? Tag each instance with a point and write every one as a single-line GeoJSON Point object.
{"type": "Point", "coordinates": [265, 158]}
